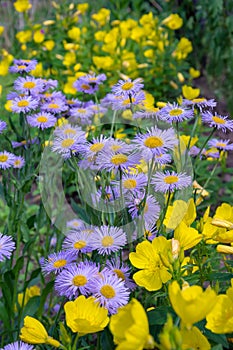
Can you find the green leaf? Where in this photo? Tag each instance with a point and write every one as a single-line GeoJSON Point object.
{"type": "Point", "coordinates": [158, 316]}
{"type": "Point", "coordinates": [46, 291]}
{"type": "Point", "coordinates": [30, 308]}
{"type": "Point", "coordinates": [107, 340]}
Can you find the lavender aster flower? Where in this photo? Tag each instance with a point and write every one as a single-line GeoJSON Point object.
{"type": "Point", "coordinates": [89, 83]}
{"type": "Point", "coordinates": [18, 345]}
{"type": "Point", "coordinates": [175, 113]}
{"type": "Point", "coordinates": [56, 262]}
{"type": "Point", "coordinates": [171, 181]}
{"type": "Point", "coordinates": [78, 241]}
{"type": "Point", "coordinates": [24, 104]}
{"type": "Point", "coordinates": [132, 183]}
{"type": "Point", "coordinates": [7, 245]}
{"type": "Point", "coordinates": [200, 103]}
{"type": "Point", "coordinates": [76, 279]}
{"type": "Point", "coordinates": [217, 121]}
{"type": "Point", "coordinates": [42, 120]}
{"type": "Point", "coordinates": [149, 209]}
{"type": "Point", "coordinates": [68, 143]}
{"type": "Point", "coordinates": [75, 223]}
{"type": "Point", "coordinates": [29, 85]}
{"type": "Point", "coordinates": [108, 239]}
{"type": "Point", "coordinates": [221, 144]}
{"type": "Point", "coordinates": [116, 161]}
{"type": "Point", "coordinates": [19, 162]}
{"type": "Point", "coordinates": [3, 126]}
{"type": "Point", "coordinates": [126, 102]}
{"type": "Point", "coordinates": [81, 114]}
{"type": "Point", "coordinates": [23, 66]}
{"type": "Point", "coordinates": [110, 291]}
{"type": "Point", "coordinates": [121, 270]}
{"type": "Point", "coordinates": [55, 106]}
{"type": "Point", "coordinates": [127, 87]}
{"type": "Point", "coordinates": [6, 160]}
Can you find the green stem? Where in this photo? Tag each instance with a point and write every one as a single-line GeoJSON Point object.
{"type": "Point", "coordinates": [113, 123]}
{"type": "Point", "coordinates": [165, 212]}
{"type": "Point", "coordinates": [74, 346]}
{"type": "Point", "coordinates": [208, 180]}
{"type": "Point", "coordinates": [204, 144]}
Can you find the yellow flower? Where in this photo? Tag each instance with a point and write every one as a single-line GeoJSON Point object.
{"type": "Point", "coordinates": [49, 22]}
{"type": "Point", "coordinates": [183, 48]}
{"type": "Point", "coordinates": [194, 72]}
{"type": "Point", "coordinates": [22, 5]}
{"type": "Point", "coordinates": [225, 249]}
{"type": "Point", "coordinates": [1, 30]}
{"type": "Point", "coordinates": [49, 44]}
{"type": "Point", "coordinates": [189, 92]}
{"type": "Point", "coordinates": [174, 21]}
{"type": "Point", "coordinates": [83, 7]}
{"type": "Point", "coordinates": [102, 17]}
{"type": "Point", "coordinates": [69, 59]}
{"type": "Point", "coordinates": [150, 257]}
{"type": "Point", "coordinates": [149, 53]}
{"type": "Point", "coordinates": [100, 35]}
{"type": "Point", "coordinates": [175, 214]}
{"type": "Point", "coordinates": [33, 332]}
{"type": "Point", "coordinates": [224, 212]}
{"type": "Point", "coordinates": [85, 315]}
{"type": "Point", "coordinates": [220, 319]}
{"type": "Point", "coordinates": [187, 236]}
{"type": "Point", "coordinates": [103, 62]}
{"type": "Point", "coordinates": [38, 36]}
{"type": "Point", "coordinates": [8, 105]}
{"type": "Point", "coordinates": [29, 293]}
{"type": "Point", "coordinates": [38, 71]}
{"type": "Point", "coordinates": [130, 328]}
{"type": "Point", "coordinates": [68, 87]}
{"type": "Point", "coordinates": [190, 303]}
{"type": "Point", "coordinates": [74, 33]}
{"type": "Point", "coordinates": [194, 339]}
{"type": "Point", "coordinates": [24, 36]}
{"type": "Point", "coordinates": [186, 138]}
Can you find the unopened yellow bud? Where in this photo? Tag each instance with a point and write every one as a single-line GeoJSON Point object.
{"type": "Point", "coordinates": [222, 223]}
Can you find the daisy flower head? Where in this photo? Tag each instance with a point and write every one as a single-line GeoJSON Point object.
{"type": "Point", "coordinates": [18, 345]}
{"type": "Point", "coordinates": [155, 142]}
{"type": "Point", "coordinates": [6, 160]}
{"type": "Point", "coordinates": [75, 224]}
{"type": "Point", "coordinates": [170, 181]}
{"type": "Point", "coordinates": [98, 109]}
{"type": "Point", "coordinates": [78, 241]}
{"type": "Point", "coordinates": [127, 87]}
{"type": "Point", "coordinates": [55, 106]}
{"type": "Point", "coordinates": [173, 113]}
{"type": "Point", "coordinates": [29, 85]}
{"type": "Point", "coordinates": [24, 104]}
{"type": "Point", "coordinates": [50, 84]}
{"type": "Point", "coordinates": [56, 262]}
{"type": "Point", "coordinates": [25, 143]}
{"type": "Point", "coordinates": [217, 121]}
{"type": "Point", "coordinates": [132, 183]}
{"type": "Point", "coordinates": [23, 66]}
{"type": "Point", "coordinates": [69, 129]}
{"type": "Point", "coordinates": [19, 162]}
{"type": "Point", "coordinates": [89, 83]}
{"type": "Point", "coordinates": [3, 126]}
{"type": "Point", "coordinates": [76, 279]}
{"type": "Point", "coordinates": [124, 102]}
{"type": "Point", "coordinates": [201, 103]}
{"type": "Point", "coordinates": [112, 161]}
{"type": "Point", "coordinates": [81, 114]}
{"type": "Point", "coordinates": [117, 146]}
{"type": "Point", "coordinates": [96, 145]}
{"type": "Point", "coordinates": [145, 114]}
{"type": "Point", "coordinates": [163, 158]}
{"type": "Point", "coordinates": [108, 239]}
{"type": "Point", "coordinates": [121, 270]}
{"type": "Point", "coordinates": [107, 193]}
{"type": "Point", "coordinates": [110, 291]}
{"type": "Point", "coordinates": [42, 120]}
{"type": "Point", "coordinates": [68, 143]}
{"type": "Point", "coordinates": [7, 245]}
{"type": "Point", "coordinates": [148, 210]}
{"type": "Point", "coordinates": [223, 145]}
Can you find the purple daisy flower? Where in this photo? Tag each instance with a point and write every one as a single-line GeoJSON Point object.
{"type": "Point", "coordinates": [68, 143]}
{"type": "Point", "coordinates": [108, 239]}
{"type": "Point", "coordinates": [24, 104]}
{"type": "Point", "coordinates": [175, 113]}
{"type": "Point", "coordinates": [75, 224]}
{"type": "Point", "coordinates": [116, 161]}
{"type": "Point", "coordinates": [78, 241]}
{"type": "Point", "coordinates": [127, 87]}
{"type": "Point", "coordinates": [145, 114]}
{"type": "Point", "coordinates": [23, 66]}
{"type": "Point", "coordinates": [110, 291]}
{"type": "Point", "coordinates": [68, 129]}
{"type": "Point", "coordinates": [117, 146]}
{"type": "Point", "coordinates": [19, 162]}
{"type": "Point", "coordinates": [73, 102]}
{"type": "Point", "coordinates": [56, 262]}
{"type": "Point", "coordinates": [6, 160]}
{"type": "Point", "coordinates": [98, 109]}
{"type": "Point", "coordinates": [3, 126]}
{"type": "Point", "coordinates": [200, 102]}
{"type": "Point", "coordinates": [42, 120]}
{"type": "Point", "coordinates": [29, 85]}
{"type": "Point", "coordinates": [155, 142]}
{"type": "Point", "coordinates": [171, 181]}
{"type": "Point", "coordinates": [89, 83]}
{"type": "Point", "coordinates": [107, 193]}
{"type": "Point", "coordinates": [81, 114]}
{"type": "Point", "coordinates": [121, 270]}
{"type": "Point", "coordinates": [55, 106]}
{"type": "Point", "coordinates": [50, 84]}
{"type": "Point", "coordinates": [109, 100]}
{"type": "Point", "coordinates": [53, 96]}
{"type": "Point", "coordinates": [149, 209]}
{"type": "Point", "coordinates": [126, 102]}
{"type": "Point", "coordinates": [25, 143]}
{"type": "Point", "coordinates": [221, 144]}
{"type": "Point", "coordinates": [7, 245]}
{"type": "Point", "coordinates": [162, 158]}
{"type": "Point", "coordinates": [95, 146]}
{"type": "Point", "coordinates": [217, 121]}
{"type": "Point", "coordinates": [132, 183]}
{"type": "Point", "coordinates": [18, 345]}
{"type": "Point", "coordinates": [194, 151]}
{"type": "Point", "coordinates": [76, 279]}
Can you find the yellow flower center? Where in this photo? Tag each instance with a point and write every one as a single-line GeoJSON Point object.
{"type": "Point", "coordinates": [81, 110]}
{"type": "Point", "coordinates": [118, 159]}
{"type": "Point", "coordinates": [42, 119]}
{"type": "Point", "coordinates": [29, 85]}
{"type": "Point", "coordinates": [59, 263]}
{"type": "Point", "coordinates": [85, 87]}
{"type": "Point", "coordinates": [153, 142]}
{"type": "Point", "coordinates": [53, 105]}
{"type": "Point", "coordinates": [17, 162]}
{"type": "Point", "coordinates": [221, 144]}
{"type": "Point", "coordinates": [23, 103]}
{"type": "Point", "coordinates": [196, 100]}
{"type": "Point", "coordinates": [218, 120]}
{"type": "Point", "coordinates": [22, 67]}
{"type": "Point", "coordinates": [79, 280]}
{"type": "Point", "coordinates": [107, 241]}
{"type": "Point", "coordinates": [70, 131]}
{"type": "Point", "coordinates": [171, 179]}
{"type": "Point", "coordinates": [3, 158]}
{"type": "Point", "coordinates": [127, 86]}
{"type": "Point", "coordinates": [175, 112]}
{"type": "Point", "coordinates": [80, 244]}
{"type": "Point", "coordinates": [107, 291]}
{"type": "Point", "coordinates": [120, 274]}
{"type": "Point", "coordinates": [130, 183]}
{"type": "Point", "coordinates": [128, 101]}
{"type": "Point", "coordinates": [97, 147]}
{"type": "Point", "coordinates": [67, 143]}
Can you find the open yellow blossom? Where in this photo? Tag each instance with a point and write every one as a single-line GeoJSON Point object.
{"type": "Point", "coordinates": [29, 293]}
{"type": "Point", "coordinates": [150, 258]}
{"type": "Point", "coordinates": [180, 211]}
{"type": "Point", "coordinates": [194, 339]}
{"type": "Point", "coordinates": [174, 21]}
{"type": "Point", "coordinates": [84, 315]}
{"type": "Point", "coordinates": [101, 17]}
{"type": "Point", "coordinates": [22, 5]}
{"type": "Point", "coordinates": [33, 332]}
{"type": "Point", "coordinates": [83, 7]}
{"type": "Point", "coordinates": [187, 236]}
{"type": "Point", "coordinates": [38, 36]}
{"type": "Point", "coordinates": [130, 328]}
{"type": "Point", "coordinates": [1, 30]}
{"type": "Point", "coordinates": [194, 72]}
{"type": "Point", "coordinates": [101, 62]}
{"type": "Point", "coordinates": [24, 36]}
{"type": "Point", "coordinates": [190, 303]}
{"type": "Point", "coordinates": [220, 319]}
{"type": "Point", "coordinates": [183, 48]}
{"type": "Point", "coordinates": [189, 92]}
{"type": "Point", "coordinates": [74, 33]}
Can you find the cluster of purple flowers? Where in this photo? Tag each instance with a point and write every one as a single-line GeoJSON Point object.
{"type": "Point", "coordinates": [9, 160]}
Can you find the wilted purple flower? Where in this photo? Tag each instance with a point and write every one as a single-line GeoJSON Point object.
{"type": "Point", "coordinates": [147, 209]}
